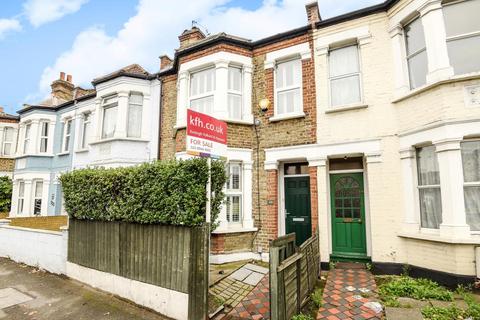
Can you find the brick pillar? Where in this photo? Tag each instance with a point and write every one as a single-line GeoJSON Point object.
{"type": "Point", "coordinates": [270, 223]}
{"type": "Point", "coordinates": [313, 198]}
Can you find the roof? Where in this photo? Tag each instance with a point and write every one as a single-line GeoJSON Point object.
{"type": "Point", "coordinates": [133, 71]}
{"type": "Point", "coordinates": [29, 107]}
{"type": "Point", "coordinates": [6, 116]}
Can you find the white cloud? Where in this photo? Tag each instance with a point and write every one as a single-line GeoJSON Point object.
{"type": "Point", "coordinates": [9, 25]}
{"type": "Point", "coordinates": [39, 12]}
{"type": "Point", "coordinates": [154, 29]}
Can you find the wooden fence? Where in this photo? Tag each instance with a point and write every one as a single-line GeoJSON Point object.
{"type": "Point", "coordinates": [293, 274]}
{"type": "Point", "coordinates": [171, 257]}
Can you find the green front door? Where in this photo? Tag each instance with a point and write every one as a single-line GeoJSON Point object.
{"type": "Point", "coordinates": [348, 216]}
{"type": "Point", "coordinates": [297, 208]}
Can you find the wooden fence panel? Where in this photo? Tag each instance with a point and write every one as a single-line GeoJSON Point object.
{"type": "Point", "coordinates": [293, 274]}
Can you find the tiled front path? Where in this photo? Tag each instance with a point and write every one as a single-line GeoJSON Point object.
{"type": "Point", "coordinates": [256, 305]}
{"type": "Point", "coordinates": [344, 296]}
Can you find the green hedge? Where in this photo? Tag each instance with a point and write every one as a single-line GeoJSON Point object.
{"type": "Point", "coordinates": [5, 193]}
{"type": "Point", "coordinates": [167, 192]}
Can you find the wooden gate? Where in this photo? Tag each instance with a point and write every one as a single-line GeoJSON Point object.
{"type": "Point", "coordinates": [293, 274]}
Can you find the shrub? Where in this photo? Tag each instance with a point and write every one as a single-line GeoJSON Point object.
{"type": "Point", "coordinates": [302, 316]}
{"type": "Point", "coordinates": [168, 192]}
{"type": "Point", "coordinates": [316, 297]}
{"type": "Point", "coordinates": [420, 289]}
{"type": "Point", "coordinates": [5, 194]}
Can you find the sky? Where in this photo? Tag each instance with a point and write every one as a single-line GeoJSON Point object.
{"type": "Point", "coordinates": [90, 38]}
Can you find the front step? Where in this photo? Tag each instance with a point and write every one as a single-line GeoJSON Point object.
{"type": "Point", "coordinates": [350, 265]}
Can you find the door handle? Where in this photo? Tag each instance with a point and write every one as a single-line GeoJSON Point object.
{"type": "Point", "coordinates": [287, 213]}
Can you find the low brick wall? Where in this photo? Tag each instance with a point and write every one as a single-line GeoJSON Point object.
{"type": "Point", "coordinates": [231, 242]}
{"type": "Point", "coordinates": [52, 223]}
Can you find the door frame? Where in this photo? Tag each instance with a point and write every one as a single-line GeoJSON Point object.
{"type": "Point", "coordinates": [281, 193]}
{"type": "Point", "coordinates": [366, 191]}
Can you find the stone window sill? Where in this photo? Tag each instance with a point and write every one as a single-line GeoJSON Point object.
{"type": "Point", "coordinates": [118, 139]}
{"type": "Point", "coordinates": [437, 238]}
{"type": "Point", "coordinates": [286, 117]}
{"type": "Point", "coordinates": [346, 108]}
{"type": "Point", "coordinates": [63, 153]}
{"type": "Point", "coordinates": [81, 150]}
{"type": "Point", "coordinates": [46, 155]}
{"type": "Point", "coordinates": [237, 229]}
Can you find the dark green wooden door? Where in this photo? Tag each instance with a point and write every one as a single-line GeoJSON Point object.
{"type": "Point", "coordinates": [297, 208]}
{"type": "Point", "coordinates": [348, 216]}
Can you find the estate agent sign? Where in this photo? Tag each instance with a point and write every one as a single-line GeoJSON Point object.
{"type": "Point", "coordinates": [206, 136]}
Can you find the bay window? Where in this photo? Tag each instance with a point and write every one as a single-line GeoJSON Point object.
{"type": "Point", "coordinates": [462, 26]}
{"type": "Point", "coordinates": [344, 71]}
{"type": "Point", "coordinates": [67, 132]}
{"type": "Point", "coordinates": [416, 53]}
{"type": "Point", "coordinates": [134, 124]}
{"type": "Point", "coordinates": [43, 136]}
{"type": "Point", "coordinates": [471, 177]}
{"type": "Point", "coordinates": [235, 93]}
{"type": "Point", "coordinates": [233, 192]}
{"type": "Point", "coordinates": [21, 197]}
{"type": "Point", "coordinates": [37, 197]}
{"type": "Point", "coordinates": [202, 90]}
{"type": "Point", "coordinates": [85, 130]}
{"type": "Point", "coordinates": [288, 87]}
{"type": "Point", "coordinates": [7, 141]}
{"type": "Point", "coordinates": [26, 138]}
{"type": "Point", "coordinates": [109, 121]}
{"type": "Point", "coordinates": [429, 187]}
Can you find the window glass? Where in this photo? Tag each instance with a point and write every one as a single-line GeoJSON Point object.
{"type": "Point", "coordinates": [429, 188]}
{"type": "Point", "coordinates": [234, 192]}
{"type": "Point", "coordinates": [234, 93]}
{"type": "Point", "coordinates": [67, 134]}
{"type": "Point", "coordinates": [37, 208]}
{"type": "Point", "coordinates": [135, 115]}
{"type": "Point", "coordinates": [8, 141]}
{"type": "Point", "coordinates": [471, 177]}
{"type": "Point", "coordinates": [296, 168]}
{"type": "Point", "coordinates": [416, 53]}
{"type": "Point", "coordinates": [344, 76]}
{"type": "Point", "coordinates": [202, 88]}
{"type": "Point", "coordinates": [43, 136]}
{"type": "Point", "coordinates": [463, 35]}
{"type": "Point", "coordinates": [85, 130]}
{"type": "Point", "coordinates": [26, 140]}
{"type": "Point", "coordinates": [109, 122]}
{"type": "Point", "coordinates": [288, 87]}
{"type": "Point", "coordinates": [21, 195]}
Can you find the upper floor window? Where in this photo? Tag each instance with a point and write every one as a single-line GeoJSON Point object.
{"type": "Point", "coordinates": [85, 130]}
{"type": "Point", "coordinates": [288, 87]}
{"type": "Point", "coordinates": [344, 76]}
{"type": "Point", "coordinates": [463, 35]}
{"type": "Point", "coordinates": [43, 136]}
{"type": "Point", "coordinates": [109, 121]}
{"type": "Point", "coordinates": [135, 106]}
{"type": "Point", "coordinates": [7, 141]}
{"type": "Point", "coordinates": [202, 90]}
{"type": "Point", "coordinates": [26, 139]}
{"type": "Point", "coordinates": [67, 132]}
{"type": "Point", "coordinates": [429, 187]}
{"type": "Point", "coordinates": [234, 93]}
{"type": "Point", "coordinates": [471, 178]}
{"type": "Point", "coordinates": [233, 192]}
{"type": "Point", "coordinates": [416, 53]}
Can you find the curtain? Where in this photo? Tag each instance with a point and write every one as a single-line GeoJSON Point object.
{"type": "Point", "coordinates": [471, 175]}
{"type": "Point", "coordinates": [429, 188]}
{"type": "Point", "coordinates": [344, 76]}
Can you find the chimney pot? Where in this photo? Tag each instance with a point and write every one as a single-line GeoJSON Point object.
{"type": "Point", "coordinates": [69, 78]}
{"type": "Point", "coordinates": [313, 13]}
{"type": "Point", "coordinates": [62, 75]}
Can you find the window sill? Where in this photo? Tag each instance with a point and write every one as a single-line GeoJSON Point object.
{"type": "Point", "coordinates": [468, 239]}
{"type": "Point", "coordinates": [428, 86]}
{"type": "Point", "coordinates": [286, 117]}
{"type": "Point", "coordinates": [118, 139]}
{"type": "Point", "coordinates": [346, 108]}
{"type": "Point", "coordinates": [81, 150]}
{"type": "Point", "coordinates": [235, 121]}
{"type": "Point", "coordinates": [45, 155]}
{"type": "Point", "coordinates": [63, 153]}
{"type": "Point", "coordinates": [235, 229]}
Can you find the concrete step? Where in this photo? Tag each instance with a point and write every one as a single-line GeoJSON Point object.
{"type": "Point", "coordinates": [350, 265]}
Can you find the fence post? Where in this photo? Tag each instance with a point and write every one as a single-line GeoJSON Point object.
{"type": "Point", "coordinates": [274, 258]}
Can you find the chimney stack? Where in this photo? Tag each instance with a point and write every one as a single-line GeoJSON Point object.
{"type": "Point", "coordinates": [165, 61]}
{"type": "Point", "coordinates": [62, 90]}
{"type": "Point", "coordinates": [2, 111]}
{"type": "Point", "coordinates": [313, 13]}
{"type": "Point", "coordinates": [191, 36]}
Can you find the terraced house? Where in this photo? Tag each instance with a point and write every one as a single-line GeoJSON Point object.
{"type": "Point", "coordinates": [8, 142]}
{"type": "Point", "coordinates": [365, 126]}
{"type": "Point", "coordinates": [115, 124]}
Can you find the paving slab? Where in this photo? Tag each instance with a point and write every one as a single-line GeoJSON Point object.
{"type": "Point", "coordinates": [10, 297]}
{"type": "Point", "coordinates": [445, 304]}
{"type": "Point", "coordinates": [254, 278]}
{"type": "Point", "coordinates": [256, 268]}
{"type": "Point", "coordinates": [241, 274]}
{"type": "Point", "coordinates": [412, 303]}
{"type": "Point", "coordinates": [403, 314]}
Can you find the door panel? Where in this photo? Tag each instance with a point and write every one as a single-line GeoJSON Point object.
{"type": "Point", "coordinates": [297, 208]}
{"type": "Point", "coordinates": [348, 215]}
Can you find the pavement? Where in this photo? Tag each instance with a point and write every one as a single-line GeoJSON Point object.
{"type": "Point", "coordinates": [29, 293]}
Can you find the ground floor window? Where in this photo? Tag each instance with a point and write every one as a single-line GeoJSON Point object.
{"type": "Point", "coordinates": [471, 178]}
{"type": "Point", "coordinates": [21, 197]}
{"type": "Point", "coordinates": [37, 197]}
{"type": "Point", "coordinates": [233, 191]}
{"type": "Point", "coordinates": [429, 187]}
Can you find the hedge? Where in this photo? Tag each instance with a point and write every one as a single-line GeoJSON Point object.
{"type": "Point", "coordinates": [167, 192]}
{"type": "Point", "coordinates": [5, 193]}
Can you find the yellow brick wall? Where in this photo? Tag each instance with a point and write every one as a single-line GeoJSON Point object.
{"type": "Point", "coordinates": [52, 223]}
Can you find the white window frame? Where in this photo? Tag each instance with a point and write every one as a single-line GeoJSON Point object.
{"type": "Point", "coordinates": [21, 198]}
{"type": "Point", "coordinates": [236, 193]}
{"type": "Point", "coordinates": [42, 137]}
{"type": "Point", "coordinates": [276, 90]}
{"type": "Point", "coordinates": [413, 54]}
{"type": "Point", "coordinates": [141, 105]}
{"type": "Point", "coordinates": [471, 183]}
{"type": "Point", "coordinates": [26, 137]}
{"type": "Point", "coordinates": [359, 73]}
{"type": "Point", "coordinates": [460, 36]}
{"type": "Point", "coordinates": [84, 138]}
{"type": "Point", "coordinates": [5, 142]}
{"type": "Point", "coordinates": [36, 197]}
{"type": "Point", "coordinates": [105, 106]}
{"type": "Point", "coordinates": [66, 135]}
{"type": "Point", "coordinates": [236, 92]}
{"type": "Point", "coordinates": [206, 94]}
